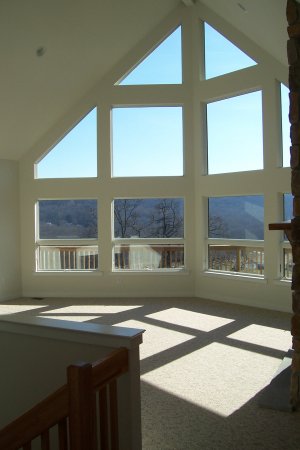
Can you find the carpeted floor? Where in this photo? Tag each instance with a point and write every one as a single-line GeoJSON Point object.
{"type": "Point", "coordinates": [203, 367]}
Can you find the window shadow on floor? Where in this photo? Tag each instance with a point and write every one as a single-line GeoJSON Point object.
{"type": "Point", "coordinates": [203, 367]}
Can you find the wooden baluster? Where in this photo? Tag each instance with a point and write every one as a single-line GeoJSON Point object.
{"type": "Point", "coordinates": [81, 407]}
{"type": "Point", "coordinates": [172, 258]}
{"type": "Point", "coordinates": [103, 417]}
{"type": "Point", "coordinates": [238, 259]}
{"type": "Point", "coordinates": [113, 409]}
{"type": "Point", "coordinates": [45, 440]}
{"type": "Point", "coordinates": [63, 435]}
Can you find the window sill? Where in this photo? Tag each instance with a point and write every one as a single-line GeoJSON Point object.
{"type": "Point", "coordinates": [283, 282]}
{"type": "Point", "coordinates": [67, 272]}
{"type": "Point", "coordinates": [234, 276]}
{"type": "Point", "coordinates": [163, 272]}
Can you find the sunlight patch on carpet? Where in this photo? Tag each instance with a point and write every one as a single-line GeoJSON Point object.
{"type": "Point", "coordinates": [190, 319]}
{"type": "Point", "coordinates": [217, 377]}
{"type": "Point", "coordinates": [15, 309]}
{"type": "Point", "coordinates": [264, 336]}
{"type": "Point", "coordinates": [69, 317]}
{"type": "Point", "coordinates": [156, 339]}
{"type": "Point", "coordinates": [84, 313]}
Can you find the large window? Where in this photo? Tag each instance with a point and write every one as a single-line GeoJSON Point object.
{"type": "Point", "coordinates": [66, 235]}
{"type": "Point", "coordinates": [164, 113]}
{"type": "Point", "coordinates": [147, 141]}
{"type": "Point", "coordinates": [235, 234]}
{"type": "Point", "coordinates": [234, 134]}
{"type": "Point", "coordinates": [148, 234]}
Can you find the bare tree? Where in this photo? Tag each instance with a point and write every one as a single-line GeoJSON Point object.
{"type": "Point", "coordinates": [137, 217]}
{"type": "Point", "coordinates": [127, 218]}
{"type": "Point", "coordinates": [167, 219]}
{"type": "Point", "coordinates": [217, 227]}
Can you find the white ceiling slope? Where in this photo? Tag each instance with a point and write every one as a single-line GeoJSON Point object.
{"type": "Point", "coordinates": [84, 39]}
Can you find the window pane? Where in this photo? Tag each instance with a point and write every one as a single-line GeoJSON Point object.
{"type": "Point", "coordinates": [236, 217]}
{"type": "Point", "coordinates": [287, 263]}
{"type": "Point", "coordinates": [162, 66]}
{"type": "Point", "coordinates": [234, 133]}
{"type": "Point", "coordinates": [148, 257]}
{"type": "Point", "coordinates": [149, 218]}
{"type": "Point", "coordinates": [147, 141]}
{"type": "Point", "coordinates": [75, 156]}
{"type": "Point", "coordinates": [67, 219]}
{"type": "Point", "coordinates": [287, 206]}
{"type": "Point", "coordinates": [285, 125]}
{"type": "Point", "coordinates": [62, 257]}
{"type": "Point", "coordinates": [221, 55]}
{"type": "Point", "coordinates": [233, 258]}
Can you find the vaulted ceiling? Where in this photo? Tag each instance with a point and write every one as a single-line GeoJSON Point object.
{"type": "Point", "coordinates": [53, 51]}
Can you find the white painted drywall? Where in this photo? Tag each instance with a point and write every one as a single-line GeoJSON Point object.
{"type": "Point", "coordinates": [10, 275]}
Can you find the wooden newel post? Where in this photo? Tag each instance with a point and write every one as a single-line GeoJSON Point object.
{"type": "Point", "coordinates": [293, 53]}
{"type": "Point", "coordinates": [82, 427]}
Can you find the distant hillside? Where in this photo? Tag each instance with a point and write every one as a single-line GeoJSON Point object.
{"type": "Point", "coordinates": [68, 219]}
{"type": "Point", "coordinates": [229, 217]}
{"type": "Point", "coordinates": [237, 217]}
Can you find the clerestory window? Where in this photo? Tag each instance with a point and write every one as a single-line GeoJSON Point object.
{"type": "Point", "coordinates": [147, 141]}
{"type": "Point", "coordinates": [234, 134]}
{"type": "Point", "coordinates": [75, 155]}
{"type": "Point", "coordinates": [221, 55]}
{"type": "Point", "coordinates": [162, 66]}
{"type": "Point", "coordinates": [285, 125]}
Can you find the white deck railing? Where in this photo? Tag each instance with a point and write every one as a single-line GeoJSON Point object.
{"type": "Point", "coordinates": [221, 257]}
{"type": "Point", "coordinates": [68, 257]}
{"type": "Point", "coordinates": [236, 258]}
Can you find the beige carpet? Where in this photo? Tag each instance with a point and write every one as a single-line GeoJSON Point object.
{"type": "Point", "coordinates": [203, 366]}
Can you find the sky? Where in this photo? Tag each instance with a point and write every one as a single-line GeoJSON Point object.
{"type": "Point", "coordinates": [148, 141]}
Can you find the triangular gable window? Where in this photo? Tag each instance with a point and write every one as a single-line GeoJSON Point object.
{"type": "Point", "coordinates": [75, 155]}
{"type": "Point", "coordinates": [162, 66]}
{"type": "Point", "coordinates": [221, 55]}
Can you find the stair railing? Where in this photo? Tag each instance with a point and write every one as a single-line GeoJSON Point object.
{"type": "Point", "coordinates": [84, 411]}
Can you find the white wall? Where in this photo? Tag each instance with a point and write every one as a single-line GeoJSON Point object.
{"type": "Point", "coordinates": [195, 186]}
{"type": "Point", "coordinates": [10, 274]}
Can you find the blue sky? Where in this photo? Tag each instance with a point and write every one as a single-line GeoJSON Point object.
{"type": "Point", "coordinates": [148, 141]}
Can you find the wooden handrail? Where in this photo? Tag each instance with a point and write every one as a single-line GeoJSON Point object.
{"type": "Point", "coordinates": [41, 417]}
{"type": "Point", "coordinates": [285, 226]}
{"type": "Point", "coordinates": [58, 407]}
{"type": "Point", "coordinates": [109, 368]}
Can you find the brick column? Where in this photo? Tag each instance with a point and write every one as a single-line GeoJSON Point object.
{"type": "Point", "coordinates": [293, 52]}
